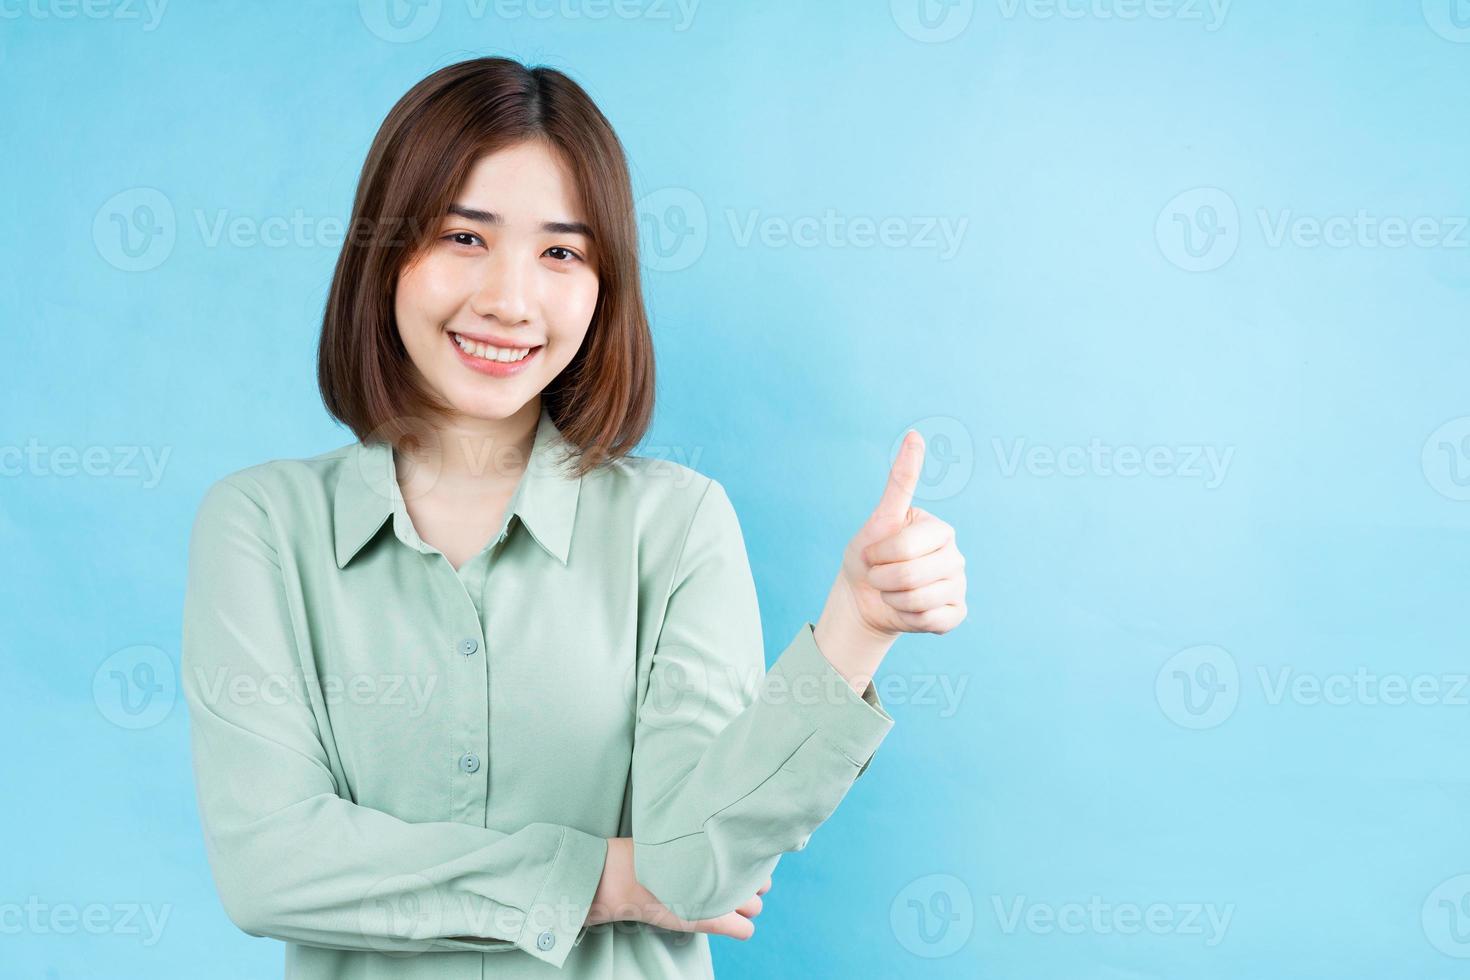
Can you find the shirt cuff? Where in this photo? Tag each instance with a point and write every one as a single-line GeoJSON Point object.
{"type": "Point", "coordinates": [557, 918]}
{"type": "Point", "coordinates": [806, 681]}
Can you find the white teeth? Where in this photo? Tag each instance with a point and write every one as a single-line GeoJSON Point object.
{"type": "Point", "coordinates": [504, 355]}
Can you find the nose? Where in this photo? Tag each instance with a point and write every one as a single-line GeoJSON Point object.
{"type": "Point", "coordinates": [503, 290]}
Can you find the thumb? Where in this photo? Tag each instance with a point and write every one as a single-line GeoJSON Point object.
{"type": "Point", "coordinates": [893, 509]}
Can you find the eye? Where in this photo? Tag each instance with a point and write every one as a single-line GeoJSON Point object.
{"type": "Point", "coordinates": [571, 256]}
{"type": "Point", "coordinates": [462, 234]}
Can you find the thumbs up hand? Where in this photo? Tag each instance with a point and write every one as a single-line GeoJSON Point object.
{"type": "Point", "coordinates": [901, 573]}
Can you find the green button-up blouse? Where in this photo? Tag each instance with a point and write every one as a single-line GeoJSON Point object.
{"type": "Point", "coordinates": [407, 770]}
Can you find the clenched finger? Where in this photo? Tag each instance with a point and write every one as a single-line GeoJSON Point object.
{"type": "Point", "coordinates": [896, 576]}
{"type": "Point", "coordinates": [938, 620]}
{"type": "Point", "coordinates": [929, 597]}
{"type": "Point", "coordinates": [731, 924]}
{"type": "Point", "coordinates": [927, 533]}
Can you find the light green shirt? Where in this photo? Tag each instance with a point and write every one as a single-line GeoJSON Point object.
{"type": "Point", "coordinates": [389, 752]}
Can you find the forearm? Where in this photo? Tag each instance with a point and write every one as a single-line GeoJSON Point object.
{"type": "Point", "coordinates": [852, 649]}
{"type": "Point", "coordinates": [613, 900]}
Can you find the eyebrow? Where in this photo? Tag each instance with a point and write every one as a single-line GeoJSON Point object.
{"type": "Point", "coordinates": [491, 218]}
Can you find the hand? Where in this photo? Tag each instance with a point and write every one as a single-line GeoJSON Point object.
{"type": "Point", "coordinates": [620, 897]}
{"type": "Point", "coordinates": [901, 573]}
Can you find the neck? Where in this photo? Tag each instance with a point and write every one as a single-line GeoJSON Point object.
{"type": "Point", "coordinates": [472, 457]}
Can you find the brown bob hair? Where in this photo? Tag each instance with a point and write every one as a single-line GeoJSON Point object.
{"type": "Point", "coordinates": [603, 400]}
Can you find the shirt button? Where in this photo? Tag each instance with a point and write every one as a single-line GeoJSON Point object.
{"type": "Point", "coordinates": [546, 940]}
{"type": "Point", "coordinates": [469, 762]}
{"type": "Point", "coordinates": [468, 645]}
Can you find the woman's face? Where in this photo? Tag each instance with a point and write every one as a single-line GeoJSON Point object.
{"type": "Point", "coordinates": [511, 268]}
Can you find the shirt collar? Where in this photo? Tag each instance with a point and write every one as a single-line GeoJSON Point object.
{"type": "Point", "coordinates": [545, 500]}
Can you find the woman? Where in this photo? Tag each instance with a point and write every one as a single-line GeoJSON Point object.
{"type": "Point", "coordinates": [481, 681]}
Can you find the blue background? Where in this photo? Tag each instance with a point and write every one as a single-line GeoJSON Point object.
{"type": "Point", "coordinates": [1138, 719]}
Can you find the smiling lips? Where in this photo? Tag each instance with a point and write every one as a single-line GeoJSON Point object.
{"type": "Point", "coordinates": [492, 358]}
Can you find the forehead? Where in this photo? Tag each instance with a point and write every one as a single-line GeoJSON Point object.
{"type": "Point", "coordinates": [525, 182]}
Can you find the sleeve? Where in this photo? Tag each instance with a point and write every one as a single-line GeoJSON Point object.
{"type": "Point", "coordinates": [732, 765]}
{"type": "Point", "coordinates": [291, 858]}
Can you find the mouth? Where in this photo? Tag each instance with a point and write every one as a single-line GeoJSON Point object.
{"type": "Point", "coordinates": [490, 359]}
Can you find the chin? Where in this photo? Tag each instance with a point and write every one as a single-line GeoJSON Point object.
{"type": "Point", "coordinates": [490, 408]}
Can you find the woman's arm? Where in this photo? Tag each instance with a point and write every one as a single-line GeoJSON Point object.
{"type": "Point", "coordinates": [731, 768]}
{"type": "Point", "coordinates": [621, 898]}
{"type": "Point", "coordinates": [734, 766]}
{"type": "Point", "coordinates": [292, 859]}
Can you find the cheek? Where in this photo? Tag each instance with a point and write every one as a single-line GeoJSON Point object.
{"type": "Point", "coordinates": [574, 303]}
{"type": "Point", "coordinates": [426, 290]}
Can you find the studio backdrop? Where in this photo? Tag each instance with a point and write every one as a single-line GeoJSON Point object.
{"type": "Point", "coordinates": [1176, 292]}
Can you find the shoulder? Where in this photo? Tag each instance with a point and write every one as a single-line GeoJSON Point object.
{"type": "Point", "coordinates": [661, 497]}
{"type": "Point", "coordinates": [279, 487]}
